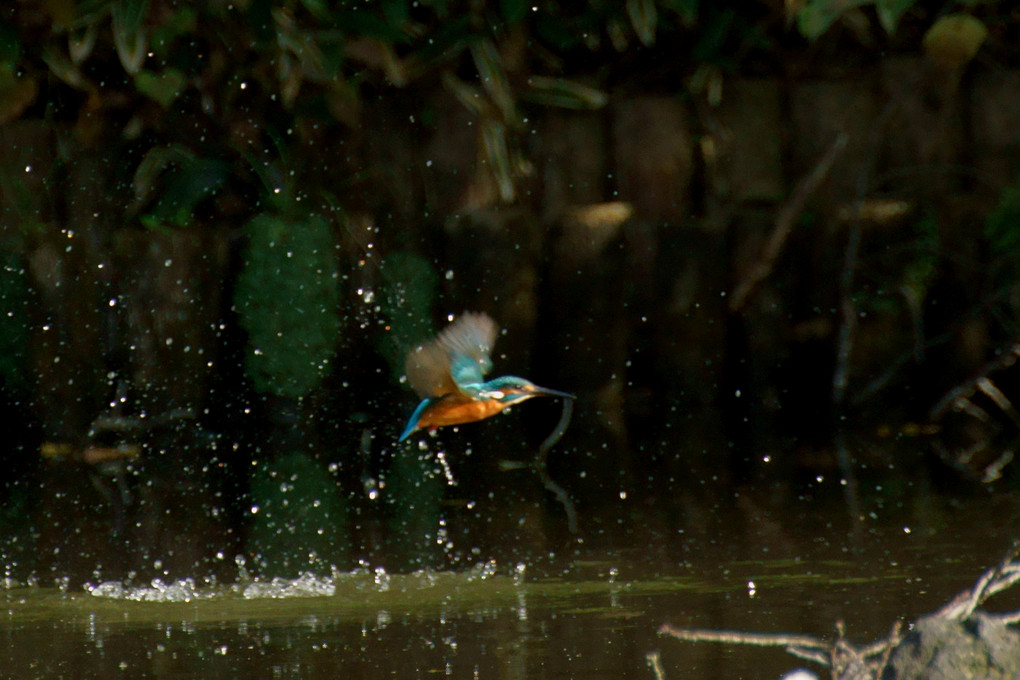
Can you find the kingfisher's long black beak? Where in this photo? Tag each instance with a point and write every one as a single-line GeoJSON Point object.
{"type": "Point", "coordinates": [546, 392]}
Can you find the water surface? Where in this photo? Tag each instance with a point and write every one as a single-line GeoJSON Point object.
{"type": "Point", "coordinates": [581, 613]}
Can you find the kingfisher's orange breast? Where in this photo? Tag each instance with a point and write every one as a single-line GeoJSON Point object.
{"type": "Point", "coordinates": [455, 410]}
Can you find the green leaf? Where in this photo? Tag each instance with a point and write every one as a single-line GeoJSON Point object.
{"type": "Point", "coordinates": [687, 9]}
{"type": "Point", "coordinates": [62, 68]}
{"type": "Point", "coordinates": [564, 93]}
{"type": "Point", "coordinates": [414, 493]}
{"type": "Point", "coordinates": [162, 87]}
{"type": "Point", "coordinates": [643, 18]}
{"type": "Point", "coordinates": [498, 154]}
{"type": "Point", "coordinates": [89, 12]}
{"type": "Point", "coordinates": [181, 22]}
{"type": "Point", "coordinates": [815, 17]}
{"type": "Point", "coordinates": [468, 95]}
{"type": "Point", "coordinates": [408, 294]}
{"type": "Point", "coordinates": [494, 78]}
{"type": "Point", "coordinates": [513, 11]}
{"type": "Point", "coordinates": [81, 42]}
{"type": "Point", "coordinates": [287, 299]}
{"type": "Point", "coordinates": [954, 40]}
{"type": "Point", "coordinates": [317, 8]}
{"type": "Point", "coordinates": [129, 35]}
{"type": "Point", "coordinates": [891, 11]}
{"type": "Point", "coordinates": [188, 186]}
{"type": "Point", "coordinates": [301, 518]}
{"type": "Point", "coordinates": [396, 12]}
{"type": "Point", "coordinates": [446, 42]}
{"type": "Point", "coordinates": [157, 160]}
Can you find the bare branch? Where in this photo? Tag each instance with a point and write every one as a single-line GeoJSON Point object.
{"type": "Point", "coordinates": [1005, 358]}
{"type": "Point", "coordinates": [654, 660]}
{"type": "Point", "coordinates": [887, 647]}
{"type": "Point", "coordinates": [993, 581]}
{"type": "Point", "coordinates": [848, 661]}
{"type": "Point", "coordinates": [792, 209]}
{"type": "Point", "coordinates": [818, 656]}
{"type": "Point", "coordinates": [885, 644]}
{"type": "Point", "coordinates": [742, 638]}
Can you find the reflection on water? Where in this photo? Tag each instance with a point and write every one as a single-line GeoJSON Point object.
{"type": "Point", "coordinates": [587, 613]}
{"type": "Point", "coordinates": [407, 575]}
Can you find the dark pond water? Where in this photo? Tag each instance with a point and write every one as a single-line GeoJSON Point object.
{"type": "Point", "coordinates": [581, 613]}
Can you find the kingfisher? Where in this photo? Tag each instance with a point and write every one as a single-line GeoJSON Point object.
{"type": "Point", "coordinates": [448, 373]}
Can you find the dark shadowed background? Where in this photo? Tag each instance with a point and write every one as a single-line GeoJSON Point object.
{"type": "Point", "coordinates": [772, 248]}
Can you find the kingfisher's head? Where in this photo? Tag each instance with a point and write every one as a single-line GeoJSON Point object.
{"type": "Point", "coordinates": [510, 389]}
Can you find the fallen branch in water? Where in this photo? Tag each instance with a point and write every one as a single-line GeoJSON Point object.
{"type": "Point", "coordinates": [932, 647]}
{"type": "Point", "coordinates": [992, 582]}
{"type": "Point", "coordinates": [803, 646]}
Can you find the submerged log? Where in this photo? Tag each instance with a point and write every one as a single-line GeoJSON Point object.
{"type": "Point", "coordinates": [940, 648]}
{"type": "Point", "coordinates": [957, 642]}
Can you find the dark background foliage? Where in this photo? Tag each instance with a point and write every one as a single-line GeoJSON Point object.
{"type": "Point", "coordinates": [736, 231]}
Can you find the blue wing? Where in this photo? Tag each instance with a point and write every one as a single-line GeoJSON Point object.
{"type": "Point", "coordinates": [456, 360]}
{"type": "Point", "coordinates": [468, 341]}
